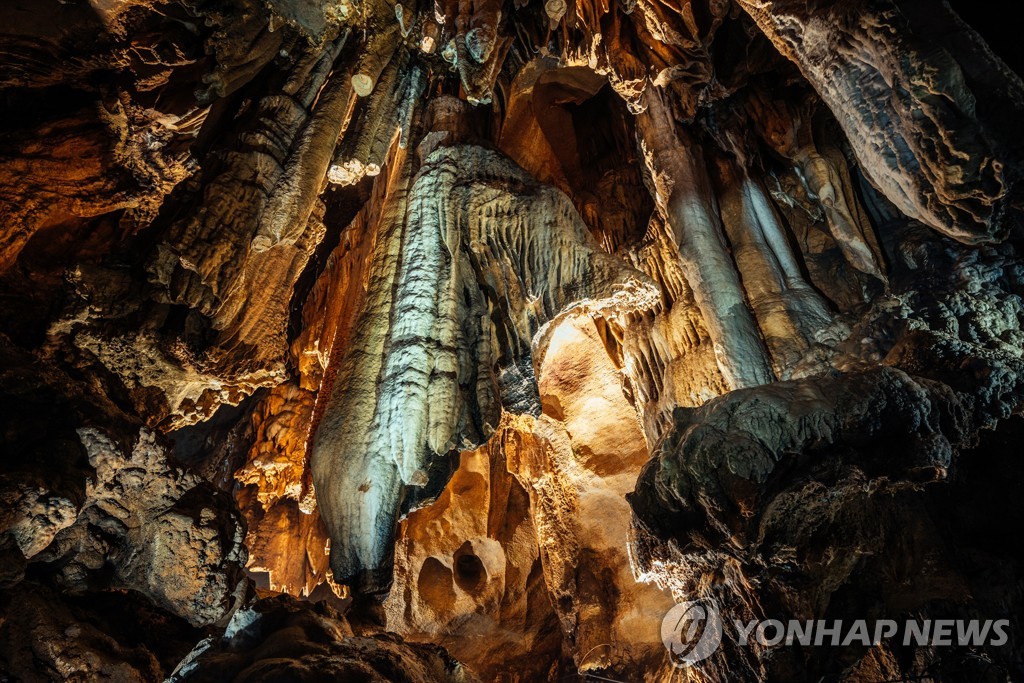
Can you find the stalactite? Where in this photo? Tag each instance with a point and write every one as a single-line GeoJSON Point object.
{"type": "Point", "coordinates": [375, 56]}
{"type": "Point", "coordinates": [787, 129]}
{"type": "Point", "coordinates": [272, 494]}
{"type": "Point", "coordinates": [626, 73]}
{"type": "Point", "coordinates": [254, 316]}
{"type": "Point", "coordinates": [388, 111]}
{"type": "Point", "coordinates": [906, 110]}
{"type": "Point", "coordinates": [791, 315]}
{"type": "Point", "coordinates": [426, 383]}
{"type": "Point", "coordinates": [260, 46]}
{"type": "Point", "coordinates": [360, 522]}
{"type": "Point", "coordinates": [292, 146]}
{"type": "Point", "coordinates": [686, 202]}
{"type": "Point", "coordinates": [291, 201]}
{"type": "Point", "coordinates": [828, 269]}
{"type": "Point", "coordinates": [677, 338]}
{"type": "Point", "coordinates": [479, 48]}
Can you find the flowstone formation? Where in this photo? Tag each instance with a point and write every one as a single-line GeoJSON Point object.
{"type": "Point", "coordinates": [463, 340]}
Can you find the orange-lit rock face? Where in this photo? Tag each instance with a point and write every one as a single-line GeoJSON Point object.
{"type": "Point", "coordinates": [536, 523]}
{"type": "Point", "coordinates": [524, 320]}
{"type": "Point", "coordinates": [580, 387]}
{"type": "Point", "coordinates": [286, 538]}
{"type": "Point", "coordinates": [469, 574]}
{"type": "Point", "coordinates": [612, 619]}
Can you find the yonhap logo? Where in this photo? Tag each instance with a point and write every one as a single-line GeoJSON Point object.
{"type": "Point", "coordinates": [691, 632]}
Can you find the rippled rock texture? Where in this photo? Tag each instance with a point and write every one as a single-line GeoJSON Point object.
{"type": "Point", "coordinates": [458, 341]}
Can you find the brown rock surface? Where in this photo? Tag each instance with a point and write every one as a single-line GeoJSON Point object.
{"type": "Point", "coordinates": [281, 639]}
{"type": "Point", "coordinates": [504, 327]}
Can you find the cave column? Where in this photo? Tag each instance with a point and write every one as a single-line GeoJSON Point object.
{"type": "Point", "coordinates": [790, 313]}
{"type": "Point", "coordinates": [685, 200]}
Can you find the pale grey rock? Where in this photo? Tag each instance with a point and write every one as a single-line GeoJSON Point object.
{"type": "Point", "coordinates": [157, 529]}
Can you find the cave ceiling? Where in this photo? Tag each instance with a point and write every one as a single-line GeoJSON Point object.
{"type": "Point", "coordinates": [472, 340]}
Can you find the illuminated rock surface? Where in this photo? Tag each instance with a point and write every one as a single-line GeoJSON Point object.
{"type": "Point", "coordinates": [458, 341]}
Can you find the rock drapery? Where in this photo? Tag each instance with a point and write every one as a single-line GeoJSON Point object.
{"type": "Point", "coordinates": [467, 249]}
{"type": "Point", "coordinates": [461, 340]}
{"type": "Point", "coordinates": [921, 141]}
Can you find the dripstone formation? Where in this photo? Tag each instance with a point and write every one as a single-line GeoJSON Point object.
{"type": "Point", "coordinates": [459, 341]}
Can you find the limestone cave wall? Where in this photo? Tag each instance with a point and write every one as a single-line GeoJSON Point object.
{"type": "Point", "coordinates": [462, 340]}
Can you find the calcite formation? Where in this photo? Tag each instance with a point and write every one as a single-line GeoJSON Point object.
{"type": "Point", "coordinates": [463, 341]}
{"type": "Point", "coordinates": [870, 456]}
{"type": "Point", "coordinates": [472, 267]}
{"type": "Point", "coordinates": [921, 141]}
